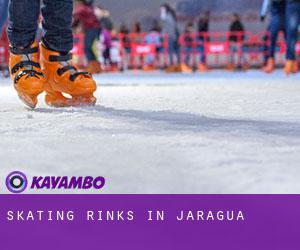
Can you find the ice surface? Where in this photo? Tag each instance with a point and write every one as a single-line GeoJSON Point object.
{"type": "Point", "coordinates": [156, 133]}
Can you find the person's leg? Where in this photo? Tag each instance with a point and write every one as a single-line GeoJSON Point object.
{"type": "Point", "coordinates": [185, 66]}
{"type": "Point", "coordinates": [3, 13]}
{"type": "Point", "coordinates": [177, 50]}
{"type": "Point", "coordinates": [203, 56]}
{"type": "Point", "coordinates": [61, 75]}
{"type": "Point", "coordinates": [202, 60]}
{"type": "Point", "coordinates": [243, 56]}
{"type": "Point", "coordinates": [292, 23]}
{"type": "Point", "coordinates": [24, 64]}
{"type": "Point", "coordinates": [89, 38]}
{"type": "Point", "coordinates": [276, 25]}
{"type": "Point", "coordinates": [232, 53]}
{"type": "Point", "coordinates": [201, 50]}
{"type": "Point", "coordinates": [171, 50]}
{"type": "Point", "coordinates": [57, 21]}
{"type": "Point", "coordinates": [23, 22]}
{"type": "Point", "coordinates": [187, 56]}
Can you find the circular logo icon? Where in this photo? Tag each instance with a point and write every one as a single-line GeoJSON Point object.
{"type": "Point", "coordinates": [16, 182]}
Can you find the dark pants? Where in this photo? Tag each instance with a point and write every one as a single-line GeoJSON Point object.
{"type": "Point", "coordinates": [277, 24]}
{"type": "Point", "coordinates": [188, 52]}
{"type": "Point", "coordinates": [57, 18]}
{"type": "Point", "coordinates": [292, 23]}
{"type": "Point", "coordinates": [173, 48]}
{"type": "Point", "coordinates": [201, 49]}
{"type": "Point", "coordinates": [3, 13]}
{"type": "Point", "coordinates": [90, 36]}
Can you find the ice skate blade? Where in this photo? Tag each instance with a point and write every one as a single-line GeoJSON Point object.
{"type": "Point", "coordinates": [84, 101]}
{"type": "Point", "coordinates": [59, 101]}
{"type": "Point", "coordinates": [29, 101]}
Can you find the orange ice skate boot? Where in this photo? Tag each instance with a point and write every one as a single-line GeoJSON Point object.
{"type": "Point", "coordinates": [26, 74]}
{"type": "Point", "coordinates": [270, 66]}
{"type": "Point", "coordinates": [230, 67]}
{"type": "Point", "coordinates": [171, 69]}
{"type": "Point", "coordinates": [94, 67]}
{"type": "Point", "coordinates": [63, 78]}
{"type": "Point", "coordinates": [186, 68]}
{"type": "Point", "coordinates": [290, 67]}
{"type": "Point", "coordinates": [202, 67]}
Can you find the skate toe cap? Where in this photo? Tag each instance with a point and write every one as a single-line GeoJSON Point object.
{"type": "Point", "coordinates": [87, 85]}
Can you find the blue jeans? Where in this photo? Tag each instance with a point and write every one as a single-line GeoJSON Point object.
{"type": "Point", "coordinates": [277, 24]}
{"type": "Point", "coordinates": [201, 49]}
{"type": "Point", "coordinates": [90, 36]}
{"type": "Point", "coordinates": [188, 52]}
{"type": "Point", "coordinates": [173, 48]}
{"type": "Point", "coordinates": [57, 19]}
{"type": "Point", "coordinates": [3, 13]}
{"type": "Point", "coordinates": [292, 23]}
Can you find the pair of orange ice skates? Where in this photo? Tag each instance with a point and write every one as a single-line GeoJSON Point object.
{"type": "Point", "coordinates": [52, 72]}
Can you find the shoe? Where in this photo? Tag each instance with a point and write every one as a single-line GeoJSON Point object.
{"type": "Point", "coordinates": [171, 69]}
{"type": "Point", "coordinates": [148, 68]}
{"type": "Point", "coordinates": [94, 67]}
{"type": "Point", "coordinates": [289, 67]}
{"type": "Point", "coordinates": [186, 69]}
{"type": "Point", "coordinates": [26, 73]}
{"type": "Point", "coordinates": [63, 78]}
{"type": "Point", "coordinates": [202, 67]}
{"type": "Point", "coordinates": [245, 67]}
{"type": "Point", "coordinates": [114, 68]}
{"type": "Point", "coordinates": [230, 67]}
{"type": "Point", "coordinates": [178, 68]}
{"type": "Point", "coordinates": [270, 66]}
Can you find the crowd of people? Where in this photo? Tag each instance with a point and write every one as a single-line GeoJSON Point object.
{"type": "Point", "coordinates": [167, 46]}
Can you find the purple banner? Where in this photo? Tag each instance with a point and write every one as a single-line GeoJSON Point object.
{"type": "Point", "coordinates": [232, 222]}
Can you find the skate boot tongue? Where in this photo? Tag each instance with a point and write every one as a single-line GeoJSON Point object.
{"type": "Point", "coordinates": [66, 66]}
{"type": "Point", "coordinates": [27, 63]}
{"type": "Point", "coordinates": [26, 74]}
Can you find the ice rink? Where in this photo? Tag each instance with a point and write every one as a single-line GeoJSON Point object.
{"type": "Point", "coordinates": [156, 133]}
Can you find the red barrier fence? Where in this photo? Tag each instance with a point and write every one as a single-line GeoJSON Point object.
{"type": "Point", "coordinates": [4, 54]}
{"type": "Point", "coordinates": [151, 50]}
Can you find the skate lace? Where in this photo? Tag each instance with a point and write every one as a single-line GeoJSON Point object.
{"type": "Point", "coordinates": [64, 61]}
{"type": "Point", "coordinates": [27, 64]}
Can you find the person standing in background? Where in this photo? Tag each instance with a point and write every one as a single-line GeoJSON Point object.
{"type": "Point", "coordinates": [153, 38]}
{"type": "Point", "coordinates": [187, 49]}
{"type": "Point", "coordinates": [104, 18]}
{"type": "Point", "coordinates": [170, 28]}
{"type": "Point", "coordinates": [236, 38]}
{"type": "Point", "coordinates": [292, 13]}
{"type": "Point", "coordinates": [277, 24]}
{"type": "Point", "coordinates": [203, 28]}
{"type": "Point", "coordinates": [84, 15]}
{"type": "Point", "coordinates": [126, 45]}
